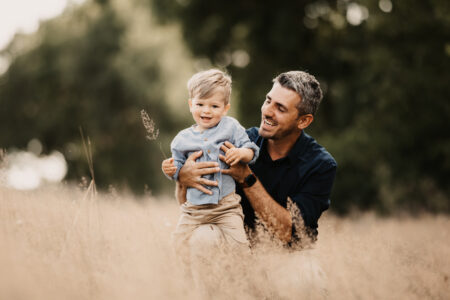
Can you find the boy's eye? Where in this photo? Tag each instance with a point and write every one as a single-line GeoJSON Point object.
{"type": "Point", "coordinates": [199, 104]}
{"type": "Point", "coordinates": [215, 106]}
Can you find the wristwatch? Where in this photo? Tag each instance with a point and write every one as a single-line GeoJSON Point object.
{"type": "Point", "coordinates": [249, 181]}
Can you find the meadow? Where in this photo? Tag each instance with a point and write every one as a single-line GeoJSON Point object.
{"type": "Point", "coordinates": [63, 242]}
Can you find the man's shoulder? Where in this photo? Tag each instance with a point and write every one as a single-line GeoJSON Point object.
{"type": "Point", "coordinates": [253, 134]}
{"type": "Point", "coordinates": [317, 154]}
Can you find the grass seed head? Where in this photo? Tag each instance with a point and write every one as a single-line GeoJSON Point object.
{"type": "Point", "coordinates": [150, 126]}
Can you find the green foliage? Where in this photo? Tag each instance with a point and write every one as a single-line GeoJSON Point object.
{"type": "Point", "coordinates": [83, 70]}
{"type": "Point", "coordinates": [385, 114]}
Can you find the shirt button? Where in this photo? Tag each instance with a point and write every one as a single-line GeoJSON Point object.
{"type": "Point", "coordinates": [209, 151]}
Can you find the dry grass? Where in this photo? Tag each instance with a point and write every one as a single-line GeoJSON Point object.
{"type": "Point", "coordinates": [54, 245]}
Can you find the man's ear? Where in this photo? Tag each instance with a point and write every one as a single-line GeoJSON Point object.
{"type": "Point", "coordinates": [304, 121]}
{"type": "Point", "coordinates": [227, 107]}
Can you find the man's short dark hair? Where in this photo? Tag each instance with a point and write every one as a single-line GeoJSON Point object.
{"type": "Point", "coordinates": [306, 86]}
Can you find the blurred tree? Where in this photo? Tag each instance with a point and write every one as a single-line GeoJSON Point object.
{"type": "Point", "coordinates": [384, 67]}
{"type": "Point", "coordinates": [94, 67]}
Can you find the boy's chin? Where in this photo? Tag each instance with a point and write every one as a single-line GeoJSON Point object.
{"type": "Point", "coordinates": [206, 125]}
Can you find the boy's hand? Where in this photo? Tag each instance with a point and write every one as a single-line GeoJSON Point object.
{"type": "Point", "coordinates": [238, 171]}
{"type": "Point", "coordinates": [168, 167]}
{"type": "Point", "coordinates": [233, 156]}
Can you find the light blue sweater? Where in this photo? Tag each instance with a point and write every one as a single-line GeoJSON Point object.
{"type": "Point", "coordinates": [209, 141]}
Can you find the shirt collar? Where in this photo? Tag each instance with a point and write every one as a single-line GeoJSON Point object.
{"type": "Point", "coordinates": [295, 153]}
{"type": "Point", "coordinates": [299, 147]}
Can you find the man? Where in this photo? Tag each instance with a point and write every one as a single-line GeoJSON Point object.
{"type": "Point", "coordinates": [291, 165]}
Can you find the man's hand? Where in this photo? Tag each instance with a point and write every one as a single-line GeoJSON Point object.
{"type": "Point", "coordinates": [168, 167]}
{"type": "Point", "coordinates": [190, 174]}
{"type": "Point", "coordinates": [239, 170]}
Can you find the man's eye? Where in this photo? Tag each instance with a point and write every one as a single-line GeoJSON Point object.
{"type": "Point", "coordinates": [267, 101]}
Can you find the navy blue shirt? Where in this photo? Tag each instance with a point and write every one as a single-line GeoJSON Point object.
{"type": "Point", "coordinates": [305, 175]}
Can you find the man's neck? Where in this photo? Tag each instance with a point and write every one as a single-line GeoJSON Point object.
{"type": "Point", "coordinates": [280, 148]}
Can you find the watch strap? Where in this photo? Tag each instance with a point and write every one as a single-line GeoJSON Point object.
{"type": "Point", "coordinates": [249, 181]}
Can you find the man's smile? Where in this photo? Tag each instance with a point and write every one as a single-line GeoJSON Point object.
{"type": "Point", "coordinates": [269, 122]}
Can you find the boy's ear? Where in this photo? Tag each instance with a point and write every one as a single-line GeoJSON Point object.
{"type": "Point", "coordinates": [190, 105]}
{"type": "Point", "coordinates": [227, 107]}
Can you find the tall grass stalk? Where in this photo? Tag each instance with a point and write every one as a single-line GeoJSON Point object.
{"type": "Point", "coordinates": [152, 130]}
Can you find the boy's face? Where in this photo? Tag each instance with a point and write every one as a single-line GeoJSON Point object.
{"type": "Point", "coordinates": [208, 112]}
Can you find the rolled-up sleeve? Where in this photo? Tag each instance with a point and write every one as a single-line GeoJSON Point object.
{"type": "Point", "coordinates": [179, 157]}
{"type": "Point", "coordinates": [313, 197]}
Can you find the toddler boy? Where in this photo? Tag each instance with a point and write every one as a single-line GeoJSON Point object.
{"type": "Point", "coordinates": [209, 102]}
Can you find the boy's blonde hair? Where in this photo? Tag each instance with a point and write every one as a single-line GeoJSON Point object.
{"type": "Point", "coordinates": [204, 84]}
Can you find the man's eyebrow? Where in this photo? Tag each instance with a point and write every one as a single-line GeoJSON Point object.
{"type": "Point", "coordinates": [281, 105]}
{"type": "Point", "coordinates": [277, 103]}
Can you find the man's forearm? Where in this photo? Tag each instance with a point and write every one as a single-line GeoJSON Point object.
{"type": "Point", "coordinates": [180, 193]}
{"type": "Point", "coordinates": [273, 214]}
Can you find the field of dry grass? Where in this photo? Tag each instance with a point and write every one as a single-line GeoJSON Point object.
{"type": "Point", "coordinates": [57, 244]}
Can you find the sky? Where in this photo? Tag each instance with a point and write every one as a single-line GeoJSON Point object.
{"type": "Point", "coordinates": [24, 15]}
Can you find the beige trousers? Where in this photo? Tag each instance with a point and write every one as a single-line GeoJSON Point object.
{"type": "Point", "coordinates": [209, 240]}
{"type": "Point", "coordinates": [225, 221]}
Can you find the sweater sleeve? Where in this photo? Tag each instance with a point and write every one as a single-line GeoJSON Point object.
{"type": "Point", "coordinates": [242, 140]}
{"type": "Point", "coordinates": [178, 154]}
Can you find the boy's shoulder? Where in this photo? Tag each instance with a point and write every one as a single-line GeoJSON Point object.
{"type": "Point", "coordinates": [185, 132]}
{"type": "Point", "coordinates": [182, 135]}
{"type": "Point", "coordinates": [230, 120]}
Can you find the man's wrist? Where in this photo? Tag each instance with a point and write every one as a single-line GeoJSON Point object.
{"type": "Point", "coordinates": [242, 175]}
{"type": "Point", "coordinates": [249, 180]}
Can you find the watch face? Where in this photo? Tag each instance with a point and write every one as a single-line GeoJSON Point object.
{"type": "Point", "coordinates": [250, 180]}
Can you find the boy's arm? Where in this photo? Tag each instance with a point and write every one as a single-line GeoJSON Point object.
{"type": "Point", "coordinates": [241, 140]}
{"type": "Point", "coordinates": [247, 154]}
{"type": "Point", "coordinates": [179, 153]}
{"type": "Point", "coordinates": [235, 155]}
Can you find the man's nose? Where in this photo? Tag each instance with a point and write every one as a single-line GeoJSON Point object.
{"type": "Point", "coordinates": [267, 109]}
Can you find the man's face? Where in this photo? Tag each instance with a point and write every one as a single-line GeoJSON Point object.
{"type": "Point", "coordinates": [208, 112]}
{"type": "Point", "coordinates": [279, 114]}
